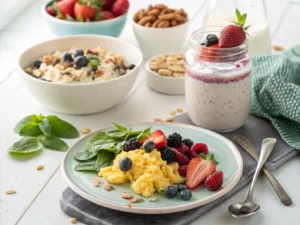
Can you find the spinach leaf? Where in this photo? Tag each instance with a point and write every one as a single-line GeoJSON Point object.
{"type": "Point", "coordinates": [61, 128]}
{"type": "Point", "coordinates": [144, 134]}
{"type": "Point", "coordinates": [31, 129]}
{"type": "Point", "coordinates": [98, 139]}
{"type": "Point", "coordinates": [54, 143]}
{"type": "Point", "coordinates": [109, 146]}
{"type": "Point", "coordinates": [120, 127]}
{"type": "Point", "coordinates": [86, 167]}
{"type": "Point", "coordinates": [26, 145]}
{"type": "Point", "coordinates": [104, 159]}
{"type": "Point", "coordinates": [45, 126]}
{"type": "Point", "coordinates": [119, 147]}
{"type": "Point", "coordinates": [84, 156]}
{"type": "Point", "coordinates": [116, 133]}
{"type": "Point", "coordinates": [22, 123]}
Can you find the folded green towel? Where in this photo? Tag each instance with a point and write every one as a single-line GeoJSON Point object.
{"type": "Point", "coordinates": [276, 93]}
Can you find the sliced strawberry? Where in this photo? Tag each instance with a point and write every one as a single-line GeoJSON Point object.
{"type": "Point", "coordinates": [214, 181]}
{"type": "Point", "coordinates": [120, 7]}
{"type": "Point", "coordinates": [64, 8]}
{"type": "Point", "coordinates": [158, 137]}
{"type": "Point", "coordinates": [106, 15]}
{"type": "Point", "coordinates": [198, 170]}
{"type": "Point", "coordinates": [184, 149]}
{"type": "Point", "coordinates": [209, 53]}
{"type": "Point", "coordinates": [107, 4]}
{"type": "Point", "coordinates": [181, 159]}
{"type": "Point", "coordinates": [182, 170]}
{"type": "Point", "coordinates": [198, 148]}
{"type": "Point", "coordinates": [84, 12]}
{"type": "Point", "coordinates": [50, 11]}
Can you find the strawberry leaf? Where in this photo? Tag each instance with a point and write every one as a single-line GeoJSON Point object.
{"type": "Point", "coordinates": [56, 11]}
{"type": "Point", "coordinates": [79, 19]}
{"type": "Point", "coordinates": [98, 16]}
{"type": "Point", "coordinates": [70, 18]}
{"type": "Point", "coordinates": [209, 157]}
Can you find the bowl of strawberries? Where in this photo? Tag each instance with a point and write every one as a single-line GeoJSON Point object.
{"type": "Point", "coordinates": [69, 17]}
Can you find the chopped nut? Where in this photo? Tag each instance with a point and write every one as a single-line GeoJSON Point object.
{"type": "Point", "coordinates": [96, 182]}
{"type": "Point", "coordinates": [164, 72]}
{"type": "Point", "coordinates": [170, 119]}
{"type": "Point", "coordinates": [152, 199]}
{"type": "Point", "coordinates": [180, 110]}
{"type": "Point", "coordinates": [158, 120]}
{"type": "Point", "coordinates": [85, 130]}
{"type": "Point", "coordinates": [40, 167]}
{"type": "Point", "coordinates": [10, 192]}
{"type": "Point", "coordinates": [172, 113]}
{"type": "Point", "coordinates": [73, 220]}
{"type": "Point", "coordinates": [129, 204]}
{"type": "Point", "coordinates": [277, 48]}
{"type": "Point", "coordinates": [108, 187]}
{"type": "Point", "coordinates": [126, 195]}
{"type": "Point", "coordinates": [135, 199]}
{"type": "Point", "coordinates": [28, 70]}
{"type": "Point", "coordinates": [107, 78]}
{"type": "Point", "coordinates": [99, 73]}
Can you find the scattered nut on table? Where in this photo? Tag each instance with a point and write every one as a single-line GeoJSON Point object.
{"type": "Point", "coordinates": [73, 220]}
{"type": "Point", "coordinates": [180, 110]}
{"type": "Point", "coordinates": [277, 48]}
{"type": "Point", "coordinates": [40, 167]}
{"type": "Point", "coordinates": [170, 119]}
{"type": "Point", "coordinates": [85, 130]}
{"type": "Point", "coordinates": [10, 192]}
{"type": "Point", "coordinates": [158, 120]}
{"type": "Point", "coordinates": [172, 113]}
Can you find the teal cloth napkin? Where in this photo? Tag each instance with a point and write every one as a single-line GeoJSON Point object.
{"type": "Point", "coordinates": [276, 93]}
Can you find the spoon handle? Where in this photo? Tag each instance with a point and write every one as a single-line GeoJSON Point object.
{"type": "Point", "coordinates": [266, 149]}
{"type": "Point", "coordinates": [247, 145]}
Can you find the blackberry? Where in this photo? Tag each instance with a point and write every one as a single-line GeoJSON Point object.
{"type": "Point", "coordinates": [131, 144]}
{"type": "Point", "coordinates": [168, 155]}
{"type": "Point", "coordinates": [188, 142]}
{"type": "Point", "coordinates": [174, 140]}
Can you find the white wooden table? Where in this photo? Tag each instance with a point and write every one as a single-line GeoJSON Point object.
{"type": "Point", "coordinates": [38, 193]}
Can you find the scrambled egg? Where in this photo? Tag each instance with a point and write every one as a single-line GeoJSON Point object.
{"type": "Point", "coordinates": [148, 173]}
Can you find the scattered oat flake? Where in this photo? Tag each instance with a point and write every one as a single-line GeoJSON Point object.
{"type": "Point", "coordinates": [40, 167]}
{"type": "Point", "coordinates": [126, 195]}
{"type": "Point", "coordinates": [129, 204]}
{"type": "Point", "coordinates": [10, 192]}
{"type": "Point", "coordinates": [277, 48]}
{"type": "Point", "coordinates": [180, 110]}
{"type": "Point", "coordinates": [173, 112]}
{"type": "Point", "coordinates": [152, 199]}
{"type": "Point", "coordinates": [85, 130]}
{"type": "Point", "coordinates": [73, 220]}
{"type": "Point", "coordinates": [135, 199]}
{"type": "Point", "coordinates": [108, 187]}
{"type": "Point", "coordinates": [158, 120]}
{"type": "Point", "coordinates": [170, 119]}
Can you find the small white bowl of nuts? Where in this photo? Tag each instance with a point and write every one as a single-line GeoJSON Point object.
{"type": "Point", "coordinates": [165, 73]}
{"type": "Point", "coordinates": [160, 29]}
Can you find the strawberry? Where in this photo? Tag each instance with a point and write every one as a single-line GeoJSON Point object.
{"type": "Point", "coordinates": [158, 137]}
{"type": "Point", "coordinates": [120, 7]}
{"type": "Point", "coordinates": [106, 15]}
{"type": "Point", "coordinates": [198, 170]}
{"type": "Point", "coordinates": [182, 170]}
{"type": "Point", "coordinates": [64, 8]}
{"type": "Point", "coordinates": [209, 53]}
{"type": "Point", "coordinates": [198, 148]}
{"type": "Point", "coordinates": [50, 11]}
{"type": "Point", "coordinates": [107, 4]}
{"type": "Point", "coordinates": [234, 35]}
{"type": "Point", "coordinates": [181, 159]}
{"type": "Point", "coordinates": [84, 12]}
{"type": "Point", "coordinates": [184, 149]}
{"type": "Point", "coordinates": [214, 181]}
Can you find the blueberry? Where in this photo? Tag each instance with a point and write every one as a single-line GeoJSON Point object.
{"type": "Point", "coordinates": [185, 194]}
{"type": "Point", "coordinates": [211, 39]}
{"type": "Point", "coordinates": [171, 191]}
{"type": "Point", "coordinates": [131, 66]}
{"type": "Point", "coordinates": [37, 63]}
{"type": "Point", "coordinates": [148, 146]}
{"type": "Point", "coordinates": [80, 61]}
{"type": "Point", "coordinates": [78, 52]}
{"type": "Point", "coordinates": [181, 187]}
{"type": "Point", "coordinates": [67, 57]}
{"type": "Point", "coordinates": [125, 164]}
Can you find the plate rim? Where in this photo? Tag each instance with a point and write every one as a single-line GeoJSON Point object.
{"type": "Point", "coordinates": [143, 210]}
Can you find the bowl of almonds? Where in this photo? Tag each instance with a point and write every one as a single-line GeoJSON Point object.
{"type": "Point", "coordinates": [165, 73]}
{"type": "Point", "coordinates": [160, 29]}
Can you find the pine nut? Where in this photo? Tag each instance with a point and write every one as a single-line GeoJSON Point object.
{"type": "Point", "coordinates": [73, 220]}
{"type": "Point", "coordinates": [40, 167]}
{"type": "Point", "coordinates": [10, 192]}
{"type": "Point", "coordinates": [85, 130]}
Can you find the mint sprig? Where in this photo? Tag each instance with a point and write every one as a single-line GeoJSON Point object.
{"type": "Point", "coordinates": [241, 20]}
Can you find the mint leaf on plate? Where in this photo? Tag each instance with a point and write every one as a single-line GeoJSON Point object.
{"type": "Point", "coordinates": [26, 145]}
{"type": "Point", "coordinates": [53, 143]}
{"type": "Point", "coordinates": [61, 128]}
{"type": "Point", "coordinates": [45, 127]}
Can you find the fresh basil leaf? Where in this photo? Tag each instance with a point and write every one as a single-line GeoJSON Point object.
{"type": "Point", "coordinates": [104, 159]}
{"type": "Point", "coordinates": [54, 143]}
{"type": "Point", "coordinates": [84, 156]}
{"type": "Point", "coordinates": [99, 138]}
{"type": "Point", "coordinates": [26, 145]}
{"type": "Point", "coordinates": [120, 127]}
{"type": "Point", "coordinates": [116, 133]}
{"type": "Point", "coordinates": [45, 126]}
{"type": "Point", "coordinates": [144, 134]}
{"type": "Point", "coordinates": [22, 123]}
{"type": "Point", "coordinates": [30, 129]}
{"type": "Point", "coordinates": [86, 167]}
{"type": "Point", "coordinates": [61, 128]}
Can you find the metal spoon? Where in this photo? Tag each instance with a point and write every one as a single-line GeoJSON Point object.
{"type": "Point", "coordinates": [248, 207]}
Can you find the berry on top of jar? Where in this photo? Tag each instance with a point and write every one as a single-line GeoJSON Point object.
{"type": "Point", "coordinates": [87, 10]}
{"type": "Point", "coordinates": [160, 16]}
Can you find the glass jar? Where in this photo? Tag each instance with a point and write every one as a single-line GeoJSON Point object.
{"type": "Point", "coordinates": [217, 83]}
{"type": "Point", "coordinates": [222, 13]}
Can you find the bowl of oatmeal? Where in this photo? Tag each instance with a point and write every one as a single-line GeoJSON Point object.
{"type": "Point", "coordinates": [81, 74]}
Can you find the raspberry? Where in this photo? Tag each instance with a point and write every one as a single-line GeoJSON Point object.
{"type": "Point", "coordinates": [181, 159]}
{"type": "Point", "coordinates": [198, 148]}
{"type": "Point", "coordinates": [182, 170]}
{"type": "Point", "coordinates": [120, 7]}
{"type": "Point", "coordinates": [173, 140]}
{"type": "Point", "coordinates": [214, 181]}
{"type": "Point", "coordinates": [168, 155]}
{"type": "Point", "coordinates": [184, 149]}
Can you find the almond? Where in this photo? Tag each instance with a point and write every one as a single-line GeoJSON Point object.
{"type": "Point", "coordinates": [168, 16]}
{"type": "Point", "coordinates": [153, 12]}
{"type": "Point", "coordinates": [277, 48]}
{"type": "Point", "coordinates": [146, 19]}
{"type": "Point", "coordinates": [163, 24]}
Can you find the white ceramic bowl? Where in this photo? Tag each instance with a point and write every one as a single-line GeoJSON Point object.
{"type": "Point", "coordinates": [85, 98]}
{"type": "Point", "coordinates": [164, 84]}
{"type": "Point", "coordinates": [154, 41]}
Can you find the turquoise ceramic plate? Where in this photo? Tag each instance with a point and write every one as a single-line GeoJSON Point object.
{"type": "Point", "coordinates": [230, 162]}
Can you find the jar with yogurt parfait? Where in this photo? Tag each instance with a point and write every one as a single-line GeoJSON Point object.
{"type": "Point", "coordinates": [217, 83]}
